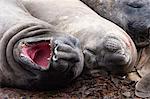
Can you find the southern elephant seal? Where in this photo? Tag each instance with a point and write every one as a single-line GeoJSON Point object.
{"type": "Point", "coordinates": [32, 53]}
{"type": "Point", "coordinates": [104, 44]}
{"type": "Point", "coordinates": [132, 15]}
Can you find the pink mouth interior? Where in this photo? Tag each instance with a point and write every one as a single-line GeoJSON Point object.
{"type": "Point", "coordinates": [38, 53]}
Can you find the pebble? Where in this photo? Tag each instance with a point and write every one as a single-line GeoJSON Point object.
{"type": "Point", "coordinates": [126, 94]}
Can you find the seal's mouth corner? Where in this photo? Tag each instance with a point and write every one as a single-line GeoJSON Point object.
{"type": "Point", "coordinates": [37, 53]}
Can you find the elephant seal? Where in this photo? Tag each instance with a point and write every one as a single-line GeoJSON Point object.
{"type": "Point", "coordinates": [132, 15]}
{"type": "Point", "coordinates": [33, 54]}
{"type": "Point", "coordinates": [104, 44]}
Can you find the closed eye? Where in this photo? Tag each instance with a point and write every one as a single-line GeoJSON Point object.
{"type": "Point", "coordinates": [135, 5]}
{"type": "Point", "coordinates": [91, 50]}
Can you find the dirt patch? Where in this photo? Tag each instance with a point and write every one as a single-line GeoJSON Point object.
{"type": "Point", "coordinates": [96, 85]}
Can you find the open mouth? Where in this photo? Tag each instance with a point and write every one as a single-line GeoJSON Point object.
{"type": "Point", "coordinates": [37, 53]}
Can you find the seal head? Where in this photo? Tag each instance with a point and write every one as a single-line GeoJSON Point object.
{"type": "Point", "coordinates": [35, 55]}
{"type": "Point", "coordinates": [54, 60]}
{"type": "Point", "coordinates": [116, 54]}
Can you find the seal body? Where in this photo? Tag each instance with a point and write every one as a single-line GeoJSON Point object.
{"type": "Point", "coordinates": [104, 44]}
{"type": "Point", "coordinates": [132, 15]}
{"type": "Point", "coordinates": [32, 53]}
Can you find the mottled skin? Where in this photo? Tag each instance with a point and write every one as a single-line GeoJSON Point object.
{"type": "Point", "coordinates": [134, 17]}
{"type": "Point", "coordinates": [104, 44]}
{"type": "Point", "coordinates": [17, 26]}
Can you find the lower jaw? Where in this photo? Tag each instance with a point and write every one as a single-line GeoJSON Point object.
{"type": "Point", "coordinates": [117, 69]}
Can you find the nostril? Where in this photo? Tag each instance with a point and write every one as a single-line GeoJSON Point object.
{"type": "Point", "coordinates": [112, 44]}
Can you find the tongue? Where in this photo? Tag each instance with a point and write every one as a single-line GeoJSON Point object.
{"type": "Point", "coordinates": [38, 53]}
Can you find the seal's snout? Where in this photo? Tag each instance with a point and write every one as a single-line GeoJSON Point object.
{"type": "Point", "coordinates": [54, 59]}
{"type": "Point", "coordinates": [111, 53]}
{"type": "Point", "coordinates": [58, 53]}
{"type": "Point", "coordinates": [112, 45]}
{"type": "Point", "coordinates": [117, 51]}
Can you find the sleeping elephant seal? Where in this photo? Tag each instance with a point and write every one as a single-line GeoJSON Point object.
{"type": "Point", "coordinates": [132, 15]}
{"type": "Point", "coordinates": [32, 53]}
{"type": "Point", "coordinates": [104, 44]}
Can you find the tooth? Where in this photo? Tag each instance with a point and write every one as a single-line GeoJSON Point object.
{"type": "Point", "coordinates": [55, 58]}
{"type": "Point", "coordinates": [26, 44]}
{"type": "Point", "coordinates": [22, 55]}
{"type": "Point", "coordinates": [51, 39]}
{"type": "Point", "coordinates": [23, 45]}
{"type": "Point", "coordinates": [48, 59]}
{"type": "Point", "coordinates": [56, 42]}
{"type": "Point", "coordinates": [55, 50]}
{"type": "Point", "coordinates": [124, 77]}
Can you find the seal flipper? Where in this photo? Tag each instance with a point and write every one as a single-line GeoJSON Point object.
{"type": "Point", "coordinates": [142, 88]}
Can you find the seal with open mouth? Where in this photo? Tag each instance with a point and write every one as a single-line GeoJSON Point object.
{"type": "Point", "coordinates": [33, 54]}
{"type": "Point", "coordinates": [104, 44]}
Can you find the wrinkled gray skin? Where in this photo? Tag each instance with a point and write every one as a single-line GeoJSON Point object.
{"type": "Point", "coordinates": [132, 15]}
{"type": "Point", "coordinates": [104, 44]}
{"type": "Point", "coordinates": [17, 26]}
